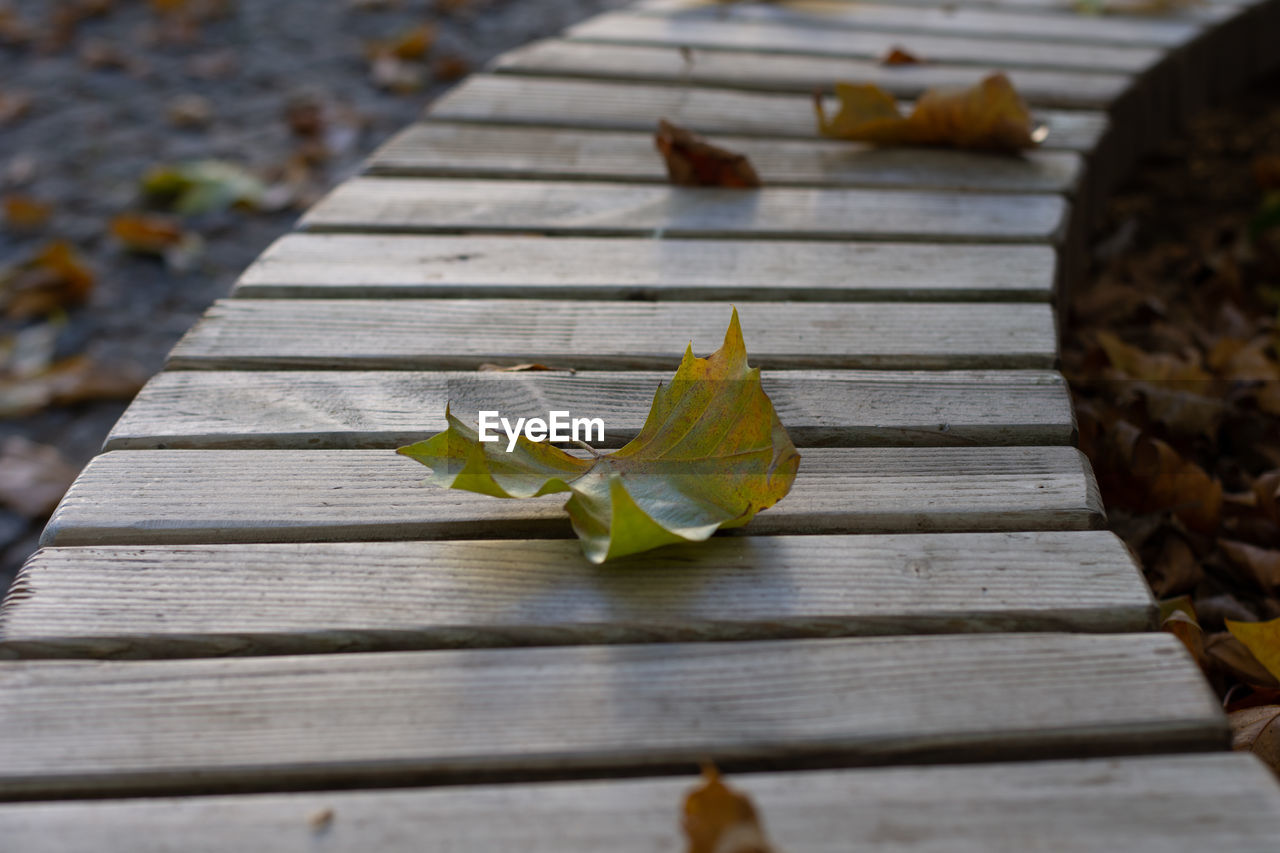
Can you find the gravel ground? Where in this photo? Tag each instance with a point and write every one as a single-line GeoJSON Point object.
{"type": "Point", "coordinates": [95, 93]}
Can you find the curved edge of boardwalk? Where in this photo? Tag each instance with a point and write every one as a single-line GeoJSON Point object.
{"type": "Point", "coordinates": [248, 622]}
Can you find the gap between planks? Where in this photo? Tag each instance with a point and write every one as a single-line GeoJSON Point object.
{"type": "Point", "coordinates": [216, 496]}
{"type": "Point", "coordinates": [359, 409]}
{"type": "Point", "coordinates": [138, 727]}
{"type": "Point", "coordinates": [199, 601]}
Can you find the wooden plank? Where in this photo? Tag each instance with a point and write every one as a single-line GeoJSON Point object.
{"type": "Point", "coordinates": [423, 205]}
{"type": "Point", "coordinates": [1148, 31]}
{"type": "Point", "coordinates": [519, 266]}
{"type": "Point", "coordinates": [796, 73]}
{"type": "Point", "coordinates": [629, 28]}
{"type": "Point", "coordinates": [439, 149]}
{"type": "Point", "coordinates": [464, 333]}
{"type": "Point", "coordinates": [1156, 804]}
{"type": "Point", "coordinates": [567, 102]}
{"type": "Point", "coordinates": [1207, 9]}
{"type": "Point", "coordinates": [210, 496]}
{"type": "Point", "coordinates": [199, 601]}
{"type": "Point", "coordinates": [115, 727]}
{"type": "Point", "coordinates": [361, 409]}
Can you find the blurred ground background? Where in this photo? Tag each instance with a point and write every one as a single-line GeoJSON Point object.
{"type": "Point", "coordinates": [98, 278]}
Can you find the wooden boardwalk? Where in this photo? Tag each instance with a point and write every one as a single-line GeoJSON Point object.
{"type": "Point", "coordinates": [250, 613]}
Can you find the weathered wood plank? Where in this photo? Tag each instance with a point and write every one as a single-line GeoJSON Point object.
{"type": "Point", "coordinates": [438, 149]}
{"type": "Point", "coordinates": [516, 266]}
{"type": "Point", "coordinates": [357, 409]}
{"type": "Point", "coordinates": [587, 208]}
{"type": "Point", "coordinates": [194, 496]}
{"type": "Point", "coordinates": [1157, 804]}
{"type": "Point", "coordinates": [629, 28]}
{"type": "Point", "coordinates": [464, 333]}
{"type": "Point", "coordinates": [1152, 31]}
{"type": "Point", "coordinates": [796, 73]}
{"type": "Point", "coordinates": [561, 102]}
{"type": "Point", "coordinates": [259, 723]}
{"type": "Point", "coordinates": [198, 601]}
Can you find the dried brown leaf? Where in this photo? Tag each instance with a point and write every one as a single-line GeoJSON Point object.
{"type": "Point", "coordinates": [147, 233]}
{"type": "Point", "coordinates": [1259, 565]}
{"type": "Point", "coordinates": [899, 56]}
{"type": "Point", "coordinates": [694, 162]}
{"type": "Point", "coordinates": [1257, 730]}
{"type": "Point", "coordinates": [77, 379]}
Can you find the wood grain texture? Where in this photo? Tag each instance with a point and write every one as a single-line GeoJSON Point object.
{"type": "Point", "coordinates": [986, 53]}
{"type": "Point", "coordinates": [1157, 804]}
{"type": "Point", "coordinates": [589, 208]}
{"type": "Point", "coordinates": [355, 409]}
{"type": "Point", "coordinates": [443, 266]}
{"type": "Point", "coordinates": [1150, 31]}
{"type": "Point", "coordinates": [197, 601]}
{"type": "Point", "coordinates": [797, 73]}
{"type": "Point", "coordinates": [443, 149]}
{"type": "Point", "coordinates": [464, 333]}
{"type": "Point", "coordinates": [194, 496]}
{"type": "Point", "coordinates": [105, 727]}
{"type": "Point", "coordinates": [568, 102]}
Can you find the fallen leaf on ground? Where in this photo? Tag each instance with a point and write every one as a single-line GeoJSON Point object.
{"type": "Point", "coordinates": [1259, 565]}
{"type": "Point", "coordinates": [1228, 653]}
{"type": "Point", "coordinates": [711, 454]}
{"type": "Point", "coordinates": [1178, 617]}
{"type": "Point", "coordinates": [25, 213]}
{"type": "Point", "coordinates": [694, 162]}
{"type": "Point", "coordinates": [55, 278]}
{"type": "Point", "coordinates": [990, 116]}
{"type": "Point", "coordinates": [396, 75]}
{"type": "Point", "coordinates": [718, 819]}
{"type": "Point", "coordinates": [147, 234]}
{"type": "Point", "coordinates": [1262, 639]}
{"type": "Point", "coordinates": [1256, 730]}
{"type": "Point", "coordinates": [78, 379]}
{"type": "Point", "coordinates": [203, 186]}
{"type": "Point", "coordinates": [446, 69]}
{"type": "Point", "coordinates": [33, 477]}
{"type": "Point", "coordinates": [898, 56]}
{"type": "Point", "coordinates": [514, 368]}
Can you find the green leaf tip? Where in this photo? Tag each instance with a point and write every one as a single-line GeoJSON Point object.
{"type": "Point", "coordinates": [711, 454]}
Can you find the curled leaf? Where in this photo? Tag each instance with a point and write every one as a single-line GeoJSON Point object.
{"type": "Point", "coordinates": [711, 454]}
{"type": "Point", "coordinates": [990, 116]}
{"type": "Point", "coordinates": [899, 56]}
{"type": "Point", "coordinates": [204, 186]}
{"type": "Point", "coordinates": [692, 161]}
{"type": "Point", "coordinates": [718, 819]}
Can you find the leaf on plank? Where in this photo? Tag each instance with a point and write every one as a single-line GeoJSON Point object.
{"type": "Point", "coordinates": [900, 56]}
{"type": "Point", "coordinates": [711, 454]}
{"type": "Point", "coordinates": [989, 116]}
{"type": "Point", "coordinates": [718, 819]}
{"type": "Point", "coordinates": [694, 162]}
